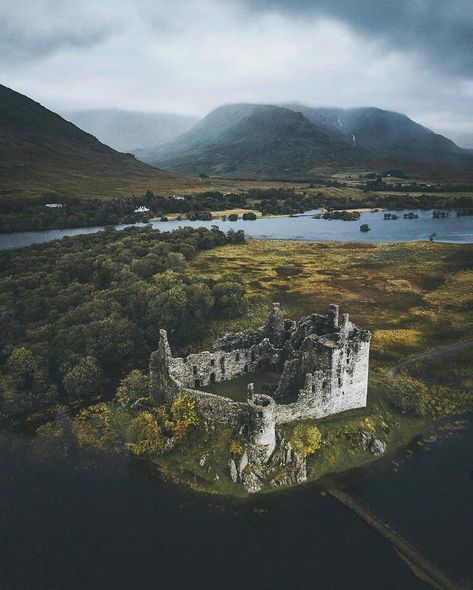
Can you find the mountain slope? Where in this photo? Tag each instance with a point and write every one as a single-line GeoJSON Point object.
{"type": "Point", "coordinates": [40, 152]}
{"type": "Point", "coordinates": [295, 141]}
{"type": "Point", "coordinates": [127, 131]}
{"type": "Point", "coordinates": [396, 140]}
{"type": "Point", "coordinates": [376, 129]}
{"type": "Point", "coordinates": [256, 141]}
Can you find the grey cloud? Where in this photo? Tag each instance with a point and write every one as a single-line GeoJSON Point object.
{"type": "Point", "coordinates": [441, 29]}
{"type": "Point", "coordinates": [17, 46]}
{"type": "Point", "coordinates": [38, 29]}
{"type": "Point", "coordinates": [189, 57]}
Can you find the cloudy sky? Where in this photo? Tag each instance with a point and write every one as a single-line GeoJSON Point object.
{"type": "Point", "coordinates": [189, 56]}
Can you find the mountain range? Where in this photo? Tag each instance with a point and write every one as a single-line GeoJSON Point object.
{"type": "Point", "coordinates": [40, 153]}
{"type": "Point", "coordinates": [127, 131]}
{"type": "Point", "coordinates": [299, 142]}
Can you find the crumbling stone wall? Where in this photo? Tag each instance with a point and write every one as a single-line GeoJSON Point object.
{"type": "Point", "coordinates": [202, 369]}
{"type": "Point", "coordinates": [324, 370]}
{"type": "Point", "coordinates": [219, 408]}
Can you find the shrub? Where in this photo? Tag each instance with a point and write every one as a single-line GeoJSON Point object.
{"type": "Point", "coordinates": [250, 216]}
{"type": "Point", "coordinates": [236, 448]}
{"type": "Point", "coordinates": [409, 395]}
{"type": "Point", "coordinates": [233, 217]}
{"type": "Point", "coordinates": [288, 270]}
{"type": "Point", "coordinates": [184, 416]}
{"type": "Point", "coordinates": [145, 435]}
{"type": "Point", "coordinates": [132, 387]}
{"type": "Point", "coordinates": [306, 439]}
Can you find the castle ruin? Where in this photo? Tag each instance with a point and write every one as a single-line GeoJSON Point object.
{"type": "Point", "coordinates": [322, 361]}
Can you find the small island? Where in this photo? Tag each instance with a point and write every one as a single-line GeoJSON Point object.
{"type": "Point", "coordinates": [322, 361]}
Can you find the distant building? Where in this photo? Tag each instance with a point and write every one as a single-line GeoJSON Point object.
{"type": "Point", "coordinates": [178, 197]}
{"type": "Point", "coordinates": [142, 209]}
{"type": "Point", "coordinates": [54, 205]}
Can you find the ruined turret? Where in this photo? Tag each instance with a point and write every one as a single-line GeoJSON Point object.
{"type": "Point", "coordinates": [274, 328]}
{"type": "Point", "coordinates": [333, 316]}
{"type": "Point", "coordinates": [162, 387]}
{"type": "Point", "coordinates": [262, 427]}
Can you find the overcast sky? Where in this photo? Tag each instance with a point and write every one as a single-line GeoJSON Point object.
{"type": "Point", "coordinates": [189, 56]}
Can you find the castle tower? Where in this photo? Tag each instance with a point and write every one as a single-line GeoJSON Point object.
{"type": "Point", "coordinates": [333, 316]}
{"type": "Point", "coordinates": [274, 326]}
{"type": "Point", "coordinates": [262, 426]}
{"type": "Point", "coordinates": [162, 386]}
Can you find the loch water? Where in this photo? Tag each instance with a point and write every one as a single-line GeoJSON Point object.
{"type": "Point", "coordinates": [107, 523]}
{"type": "Point", "coordinates": [453, 229]}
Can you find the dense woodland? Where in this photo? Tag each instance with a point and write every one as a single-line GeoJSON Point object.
{"type": "Point", "coordinates": [79, 314]}
{"type": "Point", "coordinates": [24, 214]}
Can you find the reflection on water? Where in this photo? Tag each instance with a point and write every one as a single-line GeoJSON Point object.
{"type": "Point", "coordinates": [300, 227]}
{"type": "Point", "coordinates": [103, 522]}
{"type": "Point", "coordinates": [428, 493]}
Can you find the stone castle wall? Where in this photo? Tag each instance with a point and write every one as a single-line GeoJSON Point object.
{"type": "Point", "coordinates": [202, 369]}
{"type": "Point", "coordinates": [324, 370]}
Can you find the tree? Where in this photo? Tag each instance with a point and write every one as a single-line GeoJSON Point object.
{"type": "Point", "coordinates": [84, 379]}
{"type": "Point", "coordinates": [230, 299]}
{"type": "Point", "coordinates": [23, 367]}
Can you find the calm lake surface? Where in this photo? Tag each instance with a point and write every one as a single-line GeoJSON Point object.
{"type": "Point", "coordinates": [453, 229]}
{"type": "Point", "coordinates": [107, 524]}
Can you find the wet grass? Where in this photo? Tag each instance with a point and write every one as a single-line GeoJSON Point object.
{"type": "Point", "coordinates": [237, 389]}
{"type": "Point", "coordinates": [412, 296]}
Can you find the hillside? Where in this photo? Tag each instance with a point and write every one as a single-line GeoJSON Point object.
{"type": "Point", "coordinates": [128, 131]}
{"type": "Point", "coordinates": [256, 141]}
{"type": "Point", "coordinates": [40, 152]}
{"type": "Point", "coordinates": [375, 129]}
{"type": "Point", "coordinates": [295, 141]}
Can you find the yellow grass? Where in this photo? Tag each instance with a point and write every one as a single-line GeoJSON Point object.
{"type": "Point", "coordinates": [412, 295]}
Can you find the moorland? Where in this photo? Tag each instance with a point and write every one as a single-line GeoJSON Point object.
{"type": "Point", "coordinates": [76, 346]}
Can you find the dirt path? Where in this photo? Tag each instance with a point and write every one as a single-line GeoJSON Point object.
{"type": "Point", "coordinates": [413, 554]}
{"type": "Point", "coordinates": [440, 353]}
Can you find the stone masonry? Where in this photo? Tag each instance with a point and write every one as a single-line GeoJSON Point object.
{"type": "Point", "coordinates": [323, 361]}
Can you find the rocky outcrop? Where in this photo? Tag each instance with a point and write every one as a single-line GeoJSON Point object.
{"type": "Point", "coordinates": [233, 470]}
{"type": "Point", "coordinates": [251, 482]}
{"type": "Point", "coordinates": [369, 442]}
{"type": "Point", "coordinates": [377, 446]}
